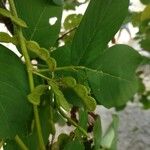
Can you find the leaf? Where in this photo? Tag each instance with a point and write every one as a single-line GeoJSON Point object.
{"type": "Point", "coordinates": [97, 131]}
{"type": "Point", "coordinates": [83, 119]}
{"type": "Point", "coordinates": [145, 14]}
{"type": "Point", "coordinates": [145, 1]}
{"type": "Point", "coordinates": [72, 97]}
{"type": "Point", "coordinates": [35, 95]}
{"type": "Point", "coordinates": [37, 13]}
{"type": "Point", "coordinates": [14, 19]}
{"type": "Point", "coordinates": [72, 21]}
{"type": "Point", "coordinates": [15, 110]}
{"type": "Point", "coordinates": [145, 44]}
{"type": "Point", "coordinates": [62, 56]}
{"type": "Point", "coordinates": [114, 82]}
{"type": "Point", "coordinates": [63, 139]}
{"type": "Point", "coordinates": [74, 145]}
{"type": "Point", "coordinates": [83, 123]}
{"type": "Point", "coordinates": [93, 35]}
{"type": "Point", "coordinates": [4, 37]}
{"type": "Point", "coordinates": [1, 143]}
{"type": "Point", "coordinates": [110, 136]}
{"type": "Point", "coordinates": [11, 145]}
{"type": "Point", "coordinates": [145, 101]}
{"type": "Point", "coordinates": [58, 2]}
{"type": "Point", "coordinates": [31, 140]}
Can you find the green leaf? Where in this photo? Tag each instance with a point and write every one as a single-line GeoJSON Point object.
{"type": "Point", "coordinates": [31, 139]}
{"type": "Point", "coordinates": [58, 2]}
{"type": "Point", "coordinates": [72, 21]}
{"type": "Point", "coordinates": [14, 19]}
{"type": "Point", "coordinates": [63, 139]}
{"type": "Point", "coordinates": [93, 35]}
{"type": "Point", "coordinates": [15, 110]}
{"type": "Point", "coordinates": [145, 14]}
{"type": "Point", "coordinates": [83, 122]}
{"type": "Point", "coordinates": [62, 56]}
{"type": "Point", "coordinates": [97, 130]}
{"type": "Point", "coordinates": [74, 145]}
{"type": "Point", "coordinates": [37, 13]}
{"type": "Point", "coordinates": [114, 82]}
{"type": "Point", "coordinates": [145, 44]}
{"type": "Point", "coordinates": [11, 145]}
{"type": "Point", "coordinates": [6, 38]}
{"type": "Point", "coordinates": [145, 1]}
{"type": "Point", "coordinates": [83, 119]}
{"type": "Point", "coordinates": [110, 138]}
{"type": "Point", "coordinates": [145, 100]}
{"type": "Point", "coordinates": [72, 97]}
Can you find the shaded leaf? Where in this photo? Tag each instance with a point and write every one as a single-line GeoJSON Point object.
{"type": "Point", "coordinates": [145, 1]}
{"type": "Point", "coordinates": [146, 13]}
{"type": "Point", "coordinates": [110, 138]}
{"type": "Point", "coordinates": [74, 145]}
{"type": "Point", "coordinates": [37, 13]}
{"type": "Point", "coordinates": [58, 2]}
{"type": "Point", "coordinates": [31, 140]}
{"type": "Point", "coordinates": [62, 56]}
{"type": "Point", "coordinates": [97, 131]}
{"type": "Point", "coordinates": [145, 44]}
{"type": "Point", "coordinates": [15, 110]}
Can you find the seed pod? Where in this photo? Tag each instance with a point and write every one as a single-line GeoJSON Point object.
{"type": "Point", "coordinates": [83, 93]}
{"type": "Point", "coordinates": [34, 47]}
{"type": "Point", "coordinates": [69, 81]}
{"type": "Point", "coordinates": [51, 62]}
{"type": "Point", "coordinates": [60, 99]}
{"type": "Point", "coordinates": [14, 19]}
{"type": "Point", "coordinates": [90, 103]}
{"type": "Point", "coordinates": [81, 90]}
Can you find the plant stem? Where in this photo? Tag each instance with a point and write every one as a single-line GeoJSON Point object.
{"type": "Point", "coordinates": [20, 143]}
{"type": "Point", "coordinates": [61, 111]}
{"type": "Point", "coordinates": [42, 76]}
{"type": "Point", "coordinates": [30, 75]}
{"type": "Point", "coordinates": [65, 34]}
{"type": "Point", "coordinates": [72, 122]}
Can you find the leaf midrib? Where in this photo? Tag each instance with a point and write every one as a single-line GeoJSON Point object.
{"type": "Point", "coordinates": [38, 21]}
